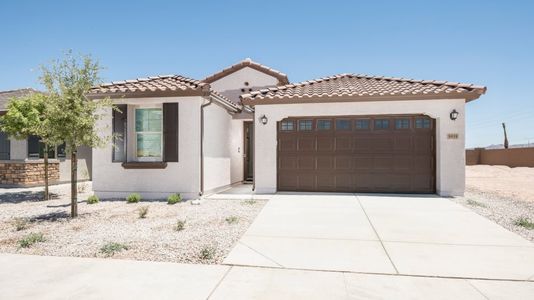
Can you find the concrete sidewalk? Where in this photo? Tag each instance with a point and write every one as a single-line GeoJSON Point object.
{"type": "Point", "coordinates": [39, 277]}
{"type": "Point", "coordinates": [382, 234]}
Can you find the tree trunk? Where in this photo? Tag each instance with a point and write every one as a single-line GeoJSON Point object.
{"type": "Point", "coordinates": [505, 136]}
{"type": "Point", "coordinates": [46, 194]}
{"type": "Point", "coordinates": [73, 184]}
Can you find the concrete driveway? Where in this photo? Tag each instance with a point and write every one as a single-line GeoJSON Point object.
{"type": "Point", "coordinates": [382, 234]}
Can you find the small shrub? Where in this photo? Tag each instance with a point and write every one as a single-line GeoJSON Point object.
{"type": "Point", "coordinates": [476, 203]}
{"type": "Point", "coordinates": [524, 222]}
{"type": "Point", "coordinates": [249, 202]}
{"type": "Point", "coordinates": [143, 211]}
{"type": "Point", "coordinates": [93, 199]}
{"type": "Point", "coordinates": [207, 253]}
{"type": "Point", "coordinates": [180, 225]}
{"type": "Point", "coordinates": [174, 198]}
{"type": "Point", "coordinates": [111, 248]}
{"type": "Point", "coordinates": [30, 239]}
{"type": "Point", "coordinates": [133, 198]}
{"type": "Point", "coordinates": [232, 220]}
{"type": "Point", "coordinates": [20, 224]}
{"type": "Point", "coordinates": [82, 187]}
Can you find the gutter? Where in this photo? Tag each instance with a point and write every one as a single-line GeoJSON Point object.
{"type": "Point", "coordinates": [202, 145]}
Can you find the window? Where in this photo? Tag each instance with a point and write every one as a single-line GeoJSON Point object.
{"type": "Point", "coordinates": [362, 124]}
{"type": "Point", "coordinates": [402, 123]}
{"type": "Point", "coordinates": [381, 124]}
{"type": "Point", "coordinates": [5, 146]}
{"type": "Point", "coordinates": [36, 149]}
{"type": "Point", "coordinates": [324, 124]}
{"type": "Point", "coordinates": [305, 125]}
{"type": "Point", "coordinates": [287, 126]}
{"type": "Point", "coordinates": [342, 124]}
{"type": "Point", "coordinates": [422, 123]}
{"type": "Point", "coordinates": [149, 136]}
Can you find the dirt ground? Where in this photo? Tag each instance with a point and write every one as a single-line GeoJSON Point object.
{"type": "Point", "coordinates": [502, 194]}
{"type": "Point", "coordinates": [502, 181]}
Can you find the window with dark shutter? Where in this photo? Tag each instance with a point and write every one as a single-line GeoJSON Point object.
{"type": "Point", "coordinates": [119, 124]}
{"type": "Point", "coordinates": [5, 146]}
{"type": "Point", "coordinates": [33, 146]}
{"type": "Point", "coordinates": [170, 132]}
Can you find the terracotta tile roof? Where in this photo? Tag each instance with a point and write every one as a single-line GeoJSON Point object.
{"type": "Point", "coordinates": [282, 78]}
{"type": "Point", "coordinates": [163, 85]}
{"type": "Point", "coordinates": [5, 96]}
{"type": "Point", "coordinates": [363, 88]}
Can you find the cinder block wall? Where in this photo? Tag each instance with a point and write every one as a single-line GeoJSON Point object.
{"type": "Point", "coordinates": [515, 157]}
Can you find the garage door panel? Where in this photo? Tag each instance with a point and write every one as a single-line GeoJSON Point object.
{"type": "Point", "coordinates": [358, 159]}
{"type": "Point", "coordinates": [306, 144]}
{"type": "Point", "coordinates": [325, 163]}
{"type": "Point", "coordinates": [306, 162]}
{"type": "Point", "coordinates": [287, 143]}
{"type": "Point", "coordinates": [325, 144]}
{"type": "Point", "coordinates": [306, 182]}
{"type": "Point", "coordinates": [343, 162]}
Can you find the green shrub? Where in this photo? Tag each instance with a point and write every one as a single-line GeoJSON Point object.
{"type": "Point", "coordinates": [476, 203]}
{"type": "Point", "coordinates": [207, 253]}
{"type": "Point", "coordinates": [180, 225]}
{"type": "Point", "coordinates": [524, 222]}
{"type": "Point", "coordinates": [174, 198]}
{"type": "Point", "coordinates": [20, 224]}
{"type": "Point", "coordinates": [232, 220]}
{"type": "Point", "coordinates": [111, 248]}
{"type": "Point", "coordinates": [133, 198]}
{"type": "Point", "coordinates": [93, 199]}
{"type": "Point", "coordinates": [143, 211]}
{"type": "Point", "coordinates": [30, 239]}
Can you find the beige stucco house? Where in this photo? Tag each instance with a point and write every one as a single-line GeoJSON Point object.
{"type": "Point", "coordinates": [344, 133]}
{"type": "Point", "coordinates": [21, 160]}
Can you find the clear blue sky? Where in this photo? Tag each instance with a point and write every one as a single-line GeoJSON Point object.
{"type": "Point", "coordinates": [483, 42]}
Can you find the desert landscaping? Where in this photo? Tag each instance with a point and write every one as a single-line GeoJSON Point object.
{"type": "Point", "coordinates": [502, 194]}
{"type": "Point", "coordinates": [148, 230]}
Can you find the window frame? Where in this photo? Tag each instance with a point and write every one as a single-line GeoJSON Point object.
{"type": "Point", "coordinates": [381, 120]}
{"type": "Point", "coordinates": [343, 129]}
{"type": "Point", "coordinates": [330, 127]}
{"type": "Point", "coordinates": [362, 119]}
{"type": "Point", "coordinates": [292, 122]}
{"type": "Point", "coordinates": [135, 132]}
{"type": "Point", "coordinates": [306, 128]}
{"type": "Point", "coordinates": [402, 120]}
{"type": "Point", "coordinates": [423, 119]}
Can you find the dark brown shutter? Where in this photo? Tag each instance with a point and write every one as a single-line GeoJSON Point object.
{"type": "Point", "coordinates": [170, 132]}
{"type": "Point", "coordinates": [120, 121]}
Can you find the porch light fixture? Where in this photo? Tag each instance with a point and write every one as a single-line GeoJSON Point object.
{"type": "Point", "coordinates": [454, 115]}
{"type": "Point", "coordinates": [264, 120]}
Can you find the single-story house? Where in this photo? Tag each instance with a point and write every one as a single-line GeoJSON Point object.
{"type": "Point", "coordinates": [343, 133]}
{"type": "Point", "coordinates": [21, 161]}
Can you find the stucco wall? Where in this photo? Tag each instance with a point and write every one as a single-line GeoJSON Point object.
{"type": "Point", "coordinates": [19, 149]}
{"type": "Point", "coordinates": [111, 180]}
{"type": "Point", "coordinates": [450, 154]}
{"type": "Point", "coordinates": [217, 157]}
{"type": "Point", "coordinates": [231, 85]}
{"type": "Point", "coordinates": [84, 165]}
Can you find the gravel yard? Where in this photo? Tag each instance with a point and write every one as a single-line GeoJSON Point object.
{"type": "Point", "coordinates": [501, 194]}
{"type": "Point", "coordinates": [211, 229]}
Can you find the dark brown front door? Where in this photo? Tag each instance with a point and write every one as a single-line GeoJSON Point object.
{"type": "Point", "coordinates": [247, 151]}
{"type": "Point", "coordinates": [382, 153]}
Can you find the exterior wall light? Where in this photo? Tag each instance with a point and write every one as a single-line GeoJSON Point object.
{"type": "Point", "coordinates": [454, 115]}
{"type": "Point", "coordinates": [264, 120]}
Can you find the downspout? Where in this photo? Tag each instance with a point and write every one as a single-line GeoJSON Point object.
{"type": "Point", "coordinates": [202, 145]}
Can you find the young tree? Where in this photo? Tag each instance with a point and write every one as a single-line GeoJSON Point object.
{"type": "Point", "coordinates": [29, 115]}
{"type": "Point", "coordinates": [73, 116]}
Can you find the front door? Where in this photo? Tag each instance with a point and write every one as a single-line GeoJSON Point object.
{"type": "Point", "coordinates": [247, 151]}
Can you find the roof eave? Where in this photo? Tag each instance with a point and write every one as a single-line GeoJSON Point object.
{"type": "Point", "coordinates": [469, 96]}
{"type": "Point", "coordinates": [149, 94]}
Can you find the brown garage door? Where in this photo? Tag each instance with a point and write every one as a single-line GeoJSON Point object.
{"type": "Point", "coordinates": [357, 154]}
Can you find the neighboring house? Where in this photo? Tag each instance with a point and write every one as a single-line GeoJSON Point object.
{"type": "Point", "coordinates": [21, 161]}
{"type": "Point", "coordinates": [345, 133]}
